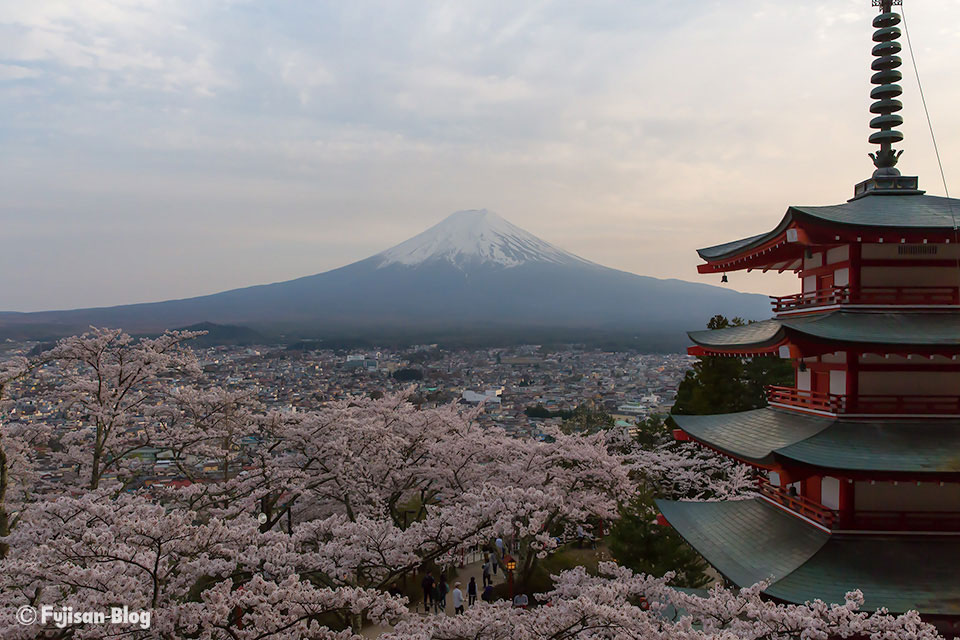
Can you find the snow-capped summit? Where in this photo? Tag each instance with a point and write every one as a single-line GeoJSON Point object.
{"type": "Point", "coordinates": [474, 237]}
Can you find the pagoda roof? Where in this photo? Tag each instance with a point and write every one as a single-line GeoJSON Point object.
{"type": "Point", "coordinates": [874, 211]}
{"type": "Point", "coordinates": [755, 335]}
{"type": "Point", "coordinates": [752, 436]}
{"type": "Point", "coordinates": [766, 436]}
{"type": "Point", "coordinates": [752, 540]}
{"type": "Point", "coordinates": [918, 328]}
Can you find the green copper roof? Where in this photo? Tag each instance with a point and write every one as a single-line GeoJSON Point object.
{"type": "Point", "coordinates": [877, 211]}
{"type": "Point", "coordinates": [729, 248]}
{"type": "Point", "coordinates": [893, 211]}
{"type": "Point", "coordinates": [762, 436]}
{"type": "Point", "coordinates": [746, 540]}
{"type": "Point", "coordinates": [751, 540]}
{"type": "Point", "coordinates": [900, 573]}
{"type": "Point", "coordinates": [889, 445]}
{"type": "Point", "coordinates": [757, 334]}
{"type": "Point", "coordinates": [919, 328]}
{"type": "Point", "coordinates": [751, 435]}
{"type": "Point", "coordinates": [930, 328]}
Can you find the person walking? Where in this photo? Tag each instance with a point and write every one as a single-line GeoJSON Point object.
{"type": "Point", "coordinates": [436, 597]}
{"type": "Point", "coordinates": [499, 543]}
{"type": "Point", "coordinates": [427, 584]}
{"type": "Point", "coordinates": [486, 573]}
{"type": "Point", "coordinates": [493, 561]}
{"type": "Point", "coordinates": [487, 593]}
{"type": "Point", "coordinates": [457, 599]}
{"type": "Point", "coordinates": [443, 589]}
{"type": "Point", "coordinates": [472, 591]}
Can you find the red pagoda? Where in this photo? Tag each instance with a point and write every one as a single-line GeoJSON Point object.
{"type": "Point", "coordinates": [859, 461]}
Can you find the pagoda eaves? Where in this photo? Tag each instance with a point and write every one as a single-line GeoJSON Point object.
{"type": "Point", "coordinates": [896, 219]}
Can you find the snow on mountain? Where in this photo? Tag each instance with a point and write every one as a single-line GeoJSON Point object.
{"type": "Point", "coordinates": [475, 236]}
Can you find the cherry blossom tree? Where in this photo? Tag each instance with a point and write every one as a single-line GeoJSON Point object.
{"type": "Point", "coordinates": [207, 579]}
{"type": "Point", "coordinates": [16, 444]}
{"type": "Point", "coordinates": [408, 486]}
{"type": "Point", "coordinates": [620, 604]}
{"type": "Point", "coordinates": [106, 378]}
{"type": "Point", "coordinates": [207, 424]}
{"type": "Point", "coordinates": [690, 472]}
{"type": "Point", "coordinates": [369, 490]}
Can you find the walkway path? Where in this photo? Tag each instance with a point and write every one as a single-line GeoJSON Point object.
{"type": "Point", "coordinates": [473, 569]}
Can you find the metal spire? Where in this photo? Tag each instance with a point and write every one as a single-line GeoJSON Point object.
{"type": "Point", "coordinates": [885, 64]}
{"type": "Point", "coordinates": [886, 178]}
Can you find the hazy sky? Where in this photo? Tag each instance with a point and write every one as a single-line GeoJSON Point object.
{"type": "Point", "coordinates": [160, 149]}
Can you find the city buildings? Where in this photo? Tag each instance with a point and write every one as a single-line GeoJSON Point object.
{"type": "Point", "coordinates": [507, 381]}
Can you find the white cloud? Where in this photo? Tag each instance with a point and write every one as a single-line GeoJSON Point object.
{"type": "Point", "coordinates": [17, 72]}
{"type": "Point", "coordinates": [317, 133]}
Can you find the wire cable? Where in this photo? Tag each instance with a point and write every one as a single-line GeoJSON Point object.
{"type": "Point", "coordinates": [933, 137]}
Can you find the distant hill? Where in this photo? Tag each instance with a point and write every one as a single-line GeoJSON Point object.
{"type": "Point", "coordinates": [225, 334]}
{"type": "Point", "coordinates": [473, 276]}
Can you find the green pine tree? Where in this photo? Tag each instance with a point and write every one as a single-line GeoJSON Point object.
{"type": "Point", "coordinates": [722, 384]}
{"type": "Point", "coordinates": [587, 418]}
{"type": "Point", "coordinates": [638, 542]}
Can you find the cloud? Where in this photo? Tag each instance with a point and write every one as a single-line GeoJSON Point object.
{"type": "Point", "coordinates": [16, 72]}
{"type": "Point", "coordinates": [310, 134]}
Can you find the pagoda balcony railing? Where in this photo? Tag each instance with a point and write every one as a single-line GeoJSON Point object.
{"type": "Point", "coordinates": [893, 296]}
{"type": "Point", "coordinates": [804, 399]}
{"type": "Point", "coordinates": [863, 404]}
{"type": "Point", "coordinates": [798, 504]}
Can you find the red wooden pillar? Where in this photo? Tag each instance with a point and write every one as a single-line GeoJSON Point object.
{"type": "Point", "coordinates": [811, 489]}
{"type": "Point", "coordinates": [853, 379]}
{"type": "Point", "coordinates": [846, 502]}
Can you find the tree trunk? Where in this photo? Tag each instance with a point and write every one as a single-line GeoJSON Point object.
{"type": "Point", "coordinates": [97, 453]}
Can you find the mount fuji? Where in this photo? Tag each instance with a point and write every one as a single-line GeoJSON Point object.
{"type": "Point", "coordinates": [474, 272]}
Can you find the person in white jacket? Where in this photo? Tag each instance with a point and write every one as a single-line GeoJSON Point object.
{"type": "Point", "coordinates": [457, 599]}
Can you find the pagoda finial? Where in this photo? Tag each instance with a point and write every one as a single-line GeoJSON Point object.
{"type": "Point", "coordinates": [885, 65]}
{"type": "Point", "coordinates": [886, 179]}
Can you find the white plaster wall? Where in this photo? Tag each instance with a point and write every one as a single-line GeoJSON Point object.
{"type": "Point", "coordinates": [841, 277]}
{"type": "Point", "coordinates": [928, 496]}
{"type": "Point", "coordinates": [814, 261]}
{"type": "Point", "coordinates": [908, 277]}
{"type": "Point", "coordinates": [890, 250]}
{"type": "Point", "coordinates": [923, 383]}
{"type": "Point", "coordinates": [830, 492]}
{"type": "Point", "coordinates": [838, 254]}
{"type": "Point", "coordinates": [838, 382]}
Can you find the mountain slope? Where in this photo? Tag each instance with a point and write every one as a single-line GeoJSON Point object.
{"type": "Point", "coordinates": [472, 270]}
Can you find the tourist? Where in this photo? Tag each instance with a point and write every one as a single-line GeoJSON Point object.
{"type": "Point", "coordinates": [499, 543]}
{"type": "Point", "coordinates": [487, 593]}
{"type": "Point", "coordinates": [472, 591]}
{"type": "Point", "coordinates": [457, 599]}
{"type": "Point", "coordinates": [442, 590]}
{"type": "Point", "coordinates": [427, 584]}
{"type": "Point", "coordinates": [486, 573]}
